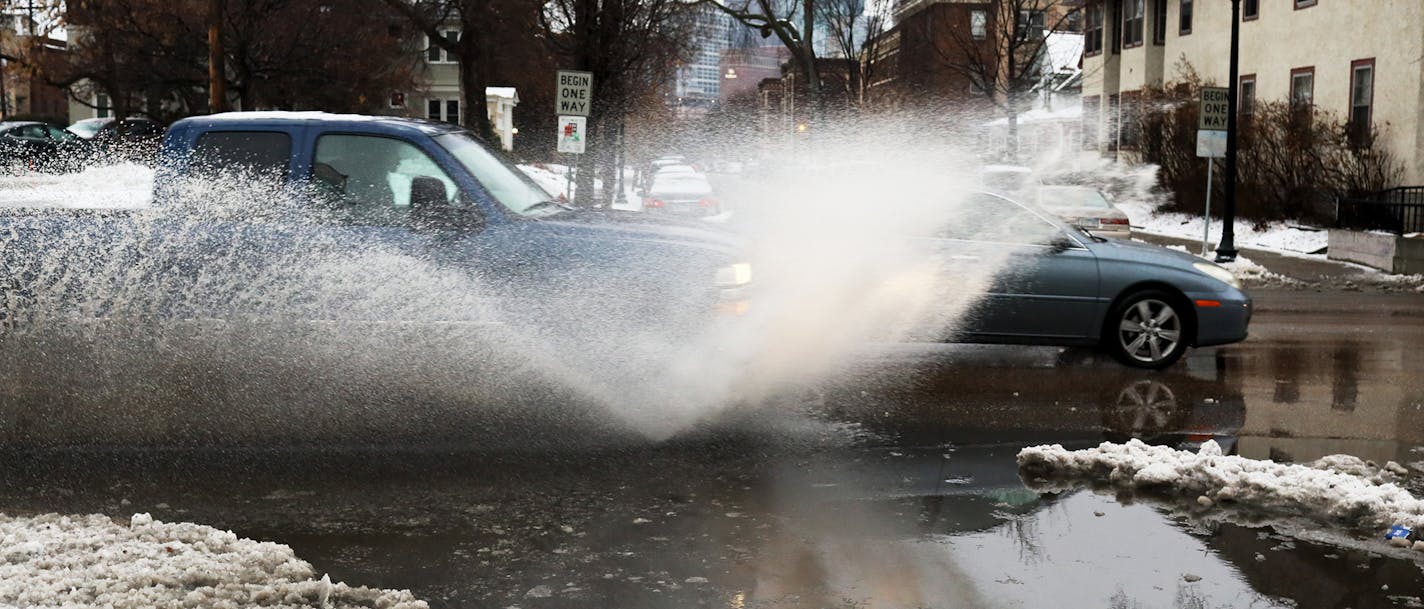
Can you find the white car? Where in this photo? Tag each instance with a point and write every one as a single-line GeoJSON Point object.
{"type": "Point", "coordinates": [1085, 208]}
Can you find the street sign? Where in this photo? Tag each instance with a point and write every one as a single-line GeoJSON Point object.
{"type": "Point", "coordinates": [1215, 106]}
{"type": "Point", "coordinates": [575, 93]}
{"type": "Point", "coordinates": [572, 134]}
{"type": "Point", "coordinates": [1211, 144]}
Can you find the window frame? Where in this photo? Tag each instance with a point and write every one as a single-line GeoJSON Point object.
{"type": "Point", "coordinates": [1290, 91]}
{"type": "Point", "coordinates": [1186, 17]}
{"type": "Point", "coordinates": [1159, 23]}
{"type": "Point", "coordinates": [445, 58]}
{"type": "Point", "coordinates": [1300, 4]}
{"type": "Point", "coordinates": [1126, 30]}
{"type": "Point", "coordinates": [1250, 16]}
{"type": "Point", "coordinates": [1243, 108]}
{"type": "Point", "coordinates": [1355, 66]}
{"type": "Point", "coordinates": [1091, 34]}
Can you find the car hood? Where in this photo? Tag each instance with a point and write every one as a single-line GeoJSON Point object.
{"type": "Point", "coordinates": [634, 226]}
{"type": "Point", "coordinates": [1135, 251]}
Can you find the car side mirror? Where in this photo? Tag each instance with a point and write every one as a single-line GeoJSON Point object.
{"type": "Point", "coordinates": [1060, 243]}
{"type": "Point", "coordinates": [427, 192]}
{"type": "Point", "coordinates": [431, 210]}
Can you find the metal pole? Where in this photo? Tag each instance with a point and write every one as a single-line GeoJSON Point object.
{"type": "Point", "coordinates": [1206, 230]}
{"type": "Point", "coordinates": [1226, 250]}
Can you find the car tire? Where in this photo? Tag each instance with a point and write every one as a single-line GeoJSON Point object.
{"type": "Point", "coordinates": [1148, 329]}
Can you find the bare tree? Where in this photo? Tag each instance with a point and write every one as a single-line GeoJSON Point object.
{"type": "Point", "coordinates": [854, 28]}
{"type": "Point", "coordinates": [1003, 50]}
{"type": "Point", "coordinates": [777, 17]}
{"type": "Point", "coordinates": [631, 47]}
{"type": "Point", "coordinates": [470, 48]}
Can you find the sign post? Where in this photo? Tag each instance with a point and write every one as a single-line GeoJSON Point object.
{"type": "Point", "coordinates": [1211, 144]}
{"type": "Point", "coordinates": [574, 95]}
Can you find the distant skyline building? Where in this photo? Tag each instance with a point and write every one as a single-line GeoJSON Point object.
{"type": "Point", "coordinates": [698, 82]}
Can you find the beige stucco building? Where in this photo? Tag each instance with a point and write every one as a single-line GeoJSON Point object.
{"type": "Point", "coordinates": [437, 94]}
{"type": "Point", "coordinates": [1360, 59]}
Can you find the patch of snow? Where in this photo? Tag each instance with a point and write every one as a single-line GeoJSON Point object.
{"type": "Point", "coordinates": [1339, 489]}
{"type": "Point", "coordinates": [1275, 236]}
{"type": "Point", "coordinates": [90, 561]}
{"type": "Point", "coordinates": [122, 186]}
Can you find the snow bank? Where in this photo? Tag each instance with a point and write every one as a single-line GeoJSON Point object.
{"type": "Point", "coordinates": [1340, 489]}
{"type": "Point", "coordinates": [1274, 236]}
{"type": "Point", "coordinates": [89, 561]}
{"type": "Point", "coordinates": [125, 185]}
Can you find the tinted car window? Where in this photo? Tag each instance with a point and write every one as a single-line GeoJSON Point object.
{"type": "Point", "coordinates": [35, 131]}
{"type": "Point", "coordinates": [60, 135]}
{"type": "Point", "coordinates": [264, 152]}
{"type": "Point", "coordinates": [371, 176]}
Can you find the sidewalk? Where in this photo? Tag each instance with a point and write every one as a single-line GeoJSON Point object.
{"type": "Point", "coordinates": [1304, 273]}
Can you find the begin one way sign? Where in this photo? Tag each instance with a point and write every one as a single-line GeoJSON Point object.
{"type": "Point", "coordinates": [575, 93]}
{"type": "Point", "coordinates": [1215, 108]}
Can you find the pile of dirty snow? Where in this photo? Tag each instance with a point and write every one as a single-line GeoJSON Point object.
{"type": "Point", "coordinates": [89, 561]}
{"type": "Point", "coordinates": [1273, 236]}
{"type": "Point", "coordinates": [125, 185]}
{"type": "Point", "coordinates": [1339, 489]}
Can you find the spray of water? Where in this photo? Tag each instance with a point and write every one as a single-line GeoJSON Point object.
{"type": "Point", "coordinates": [844, 247]}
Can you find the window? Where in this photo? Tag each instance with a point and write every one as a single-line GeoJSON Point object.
{"type": "Point", "coordinates": [267, 153]}
{"type": "Point", "coordinates": [999, 220]}
{"type": "Point", "coordinates": [1184, 18]}
{"type": "Point", "coordinates": [1362, 99]}
{"type": "Point", "coordinates": [1302, 87]}
{"type": "Point", "coordinates": [979, 24]}
{"type": "Point", "coordinates": [1247, 93]}
{"type": "Point", "coordinates": [60, 135]}
{"type": "Point", "coordinates": [1129, 115]}
{"type": "Point", "coordinates": [1030, 22]}
{"type": "Point", "coordinates": [1304, 3]}
{"type": "Point", "coordinates": [1250, 9]}
{"type": "Point", "coordinates": [1132, 23]}
{"type": "Point", "coordinates": [497, 176]}
{"type": "Point", "coordinates": [435, 54]}
{"type": "Point", "coordinates": [368, 178]}
{"type": "Point", "coordinates": [397, 99]}
{"type": "Point", "coordinates": [102, 107]}
{"type": "Point", "coordinates": [37, 132]}
{"type": "Point", "coordinates": [1093, 36]}
{"type": "Point", "coordinates": [1159, 22]}
{"type": "Point", "coordinates": [432, 110]}
{"type": "Point", "coordinates": [452, 111]}
{"type": "Point", "coordinates": [1117, 23]}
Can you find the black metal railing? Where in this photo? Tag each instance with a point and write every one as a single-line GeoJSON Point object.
{"type": "Point", "coordinates": [1397, 210]}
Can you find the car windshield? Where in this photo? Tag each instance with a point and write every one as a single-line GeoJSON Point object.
{"type": "Point", "coordinates": [504, 182]}
{"type": "Point", "coordinates": [1072, 197]}
{"type": "Point", "coordinates": [88, 127]}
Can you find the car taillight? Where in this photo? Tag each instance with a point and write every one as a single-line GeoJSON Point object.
{"type": "Point", "coordinates": [652, 203]}
{"type": "Point", "coordinates": [707, 202]}
{"type": "Point", "coordinates": [1116, 221]}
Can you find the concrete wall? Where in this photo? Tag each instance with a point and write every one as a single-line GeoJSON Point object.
{"type": "Point", "coordinates": [1383, 251]}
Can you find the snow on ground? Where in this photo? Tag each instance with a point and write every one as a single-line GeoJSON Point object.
{"type": "Point", "coordinates": [1275, 236]}
{"type": "Point", "coordinates": [1244, 269]}
{"type": "Point", "coordinates": [90, 561]}
{"type": "Point", "coordinates": [552, 178]}
{"type": "Point", "coordinates": [1340, 489]}
{"type": "Point", "coordinates": [125, 185]}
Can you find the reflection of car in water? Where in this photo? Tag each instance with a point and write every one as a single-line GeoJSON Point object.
{"type": "Point", "coordinates": [929, 397]}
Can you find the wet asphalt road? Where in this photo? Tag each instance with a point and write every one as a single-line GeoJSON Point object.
{"type": "Point", "coordinates": [891, 484]}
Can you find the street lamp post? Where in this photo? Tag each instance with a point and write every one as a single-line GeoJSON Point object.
{"type": "Point", "coordinates": [1226, 250]}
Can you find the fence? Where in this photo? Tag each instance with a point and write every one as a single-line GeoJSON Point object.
{"type": "Point", "coordinates": [1397, 210]}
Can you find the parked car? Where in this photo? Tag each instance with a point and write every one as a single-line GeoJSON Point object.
{"type": "Point", "coordinates": [36, 146]}
{"type": "Point", "coordinates": [134, 138]}
{"type": "Point", "coordinates": [681, 192]}
{"type": "Point", "coordinates": [1059, 286]}
{"type": "Point", "coordinates": [1087, 209]}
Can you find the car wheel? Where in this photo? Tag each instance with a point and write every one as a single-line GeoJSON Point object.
{"type": "Point", "coordinates": [1147, 330]}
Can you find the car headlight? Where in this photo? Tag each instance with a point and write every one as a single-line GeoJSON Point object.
{"type": "Point", "coordinates": [734, 275]}
{"type": "Point", "coordinates": [1218, 273]}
